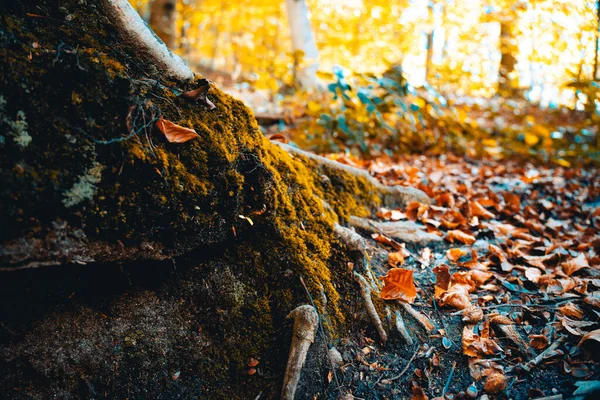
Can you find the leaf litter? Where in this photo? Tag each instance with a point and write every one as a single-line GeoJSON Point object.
{"type": "Point", "coordinates": [513, 290]}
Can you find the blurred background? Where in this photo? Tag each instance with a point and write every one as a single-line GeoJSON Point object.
{"type": "Point", "coordinates": [389, 68]}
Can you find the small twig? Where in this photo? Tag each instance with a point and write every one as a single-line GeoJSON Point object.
{"type": "Point", "coordinates": [459, 312]}
{"type": "Point", "coordinates": [447, 385]}
{"type": "Point", "coordinates": [537, 360]}
{"type": "Point", "coordinates": [407, 365]}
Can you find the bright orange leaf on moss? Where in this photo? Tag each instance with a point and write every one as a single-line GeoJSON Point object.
{"type": "Point", "coordinates": [399, 284]}
{"type": "Point", "coordinates": [175, 133]}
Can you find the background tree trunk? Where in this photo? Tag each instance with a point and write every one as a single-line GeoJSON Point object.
{"type": "Point", "coordinates": [162, 20]}
{"type": "Point", "coordinates": [306, 53]}
{"type": "Point", "coordinates": [507, 82]}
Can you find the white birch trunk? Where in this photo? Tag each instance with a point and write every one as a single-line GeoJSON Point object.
{"type": "Point", "coordinates": [303, 40]}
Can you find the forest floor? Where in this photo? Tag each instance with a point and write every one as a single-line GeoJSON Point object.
{"type": "Point", "coordinates": [512, 290]}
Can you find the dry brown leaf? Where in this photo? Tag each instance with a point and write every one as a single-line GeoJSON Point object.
{"type": "Point", "coordinates": [572, 311]}
{"type": "Point", "coordinates": [478, 210]}
{"type": "Point", "coordinates": [460, 236]}
{"type": "Point", "coordinates": [513, 203]}
{"type": "Point", "coordinates": [395, 259]}
{"type": "Point", "coordinates": [472, 315]}
{"type": "Point", "coordinates": [454, 254]}
{"type": "Point", "coordinates": [538, 342]}
{"type": "Point", "coordinates": [398, 284]}
{"type": "Point", "coordinates": [495, 383]}
{"type": "Point", "coordinates": [391, 215]}
{"type": "Point", "coordinates": [175, 133]}
{"type": "Point", "coordinates": [575, 264]}
{"type": "Point", "coordinates": [477, 346]}
{"type": "Point", "coordinates": [533, 274]}
{"type": "Point", "coordinates": [386, 240]}
{"type": "Point", "coordinates": [593, 335]}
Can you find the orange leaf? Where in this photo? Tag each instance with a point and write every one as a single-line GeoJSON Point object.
{"type": "Point", "coordinates": [175, 133]}
{"type": "Point", "coordinates": [461, 237]}
{"type": "Point", "coordinates": [495, 383]}
{"type": "Point", "coordinates": [396, 258]}
{"type": "Point", "coordinates": [398, 284]}
{"type": "Point", "coordinates": [575, 264]}
{"type": "Point", "coordinates": [386, 240]}
{"type": "Point", "coordinates": [454, 254]}
{"type": "Point", "coordinates": [478, 210]}
{"type": "Point", "coordinates": [513, 203]}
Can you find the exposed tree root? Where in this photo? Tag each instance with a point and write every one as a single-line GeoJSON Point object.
{"type": "Point", "coordinates": [401, 327]}
{"type": "Point", "coordinates": [406, 231]}
{"type": "Point", "coordinates": [365, 292]}
{"type": "Point", "coordinates": [391, 196]}
{"type": "Point", "coordinates": [305, 326]}
{"type": "Point", "coordinates": [137, 37]}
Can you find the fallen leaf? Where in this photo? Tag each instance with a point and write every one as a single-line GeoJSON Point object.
{"type": "Point", "coordinates": [396, 258]}
{"type": "Point", "coordinates": [199, 95]}
{"type": "Point", "coordinates": [593, 335]}
{"type": "Point", "coordinates": [512, 201]}
{"type": "Point", "coordinates": [575, 264]}
{"type": "Point", "coordinates": [538, 342]}
{"type": "Point", "coordinates": [478, 210]}
{"type": "Point", "coordinates": [460, 236]}
{"type": "Point", "coordinates": [571, 310]}
{"type": "Point", "coordinates": [472, 315]}
{"type": "Point", "coordinates": [398, 284]}
{"type": "Point", "coordinates": [454, 254]}
{"type": "Point", "coordinates": [495, 383]}
{"type": "Point", "coordinates": [476, 345]}
{"type": "Point", "coordinates": [175, 133]}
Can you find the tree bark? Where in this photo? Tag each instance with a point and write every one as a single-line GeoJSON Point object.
{"type": "Point", "coordinates": [304, 46]}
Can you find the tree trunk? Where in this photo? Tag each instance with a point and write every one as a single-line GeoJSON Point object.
{"type": "Point", "coordinates": [304, 46]}
{"type": "Point", "coordinates": [162, 20]}
{"type": "Point", "coordinates": [507, 82]}
{"type": "Point", "coordinates": [595, 75]}
{"type": "Point", "coordinates": [137, 267]}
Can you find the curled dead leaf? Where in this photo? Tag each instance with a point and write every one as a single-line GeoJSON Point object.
{"type": "Point", "coordinates": [538, 342]}
{"type": "Point", "coordinates": [575, 264]}
{"type": "Point", "coordinates": [477, 210]}
{"type": "Point", "coordinates": [398, 284]}
{"type": "Point", "coordinates": [472, 315]}
{"type": "Point", "coordinates": [460, 236]}
{"type": "Point", "coordinates": [395, 259]}
{"type": "Point", "coordinates": [175, 133]}
{"type": "Point", "coordinates": [571, 310]}
{"type": "Point", "coordinates": [495, 383]}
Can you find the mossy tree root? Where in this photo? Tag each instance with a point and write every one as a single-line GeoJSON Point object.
{"type": "Point", "coordinates": [391, 196]}
{"type": "Point", "coordinates": [365, 292]}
